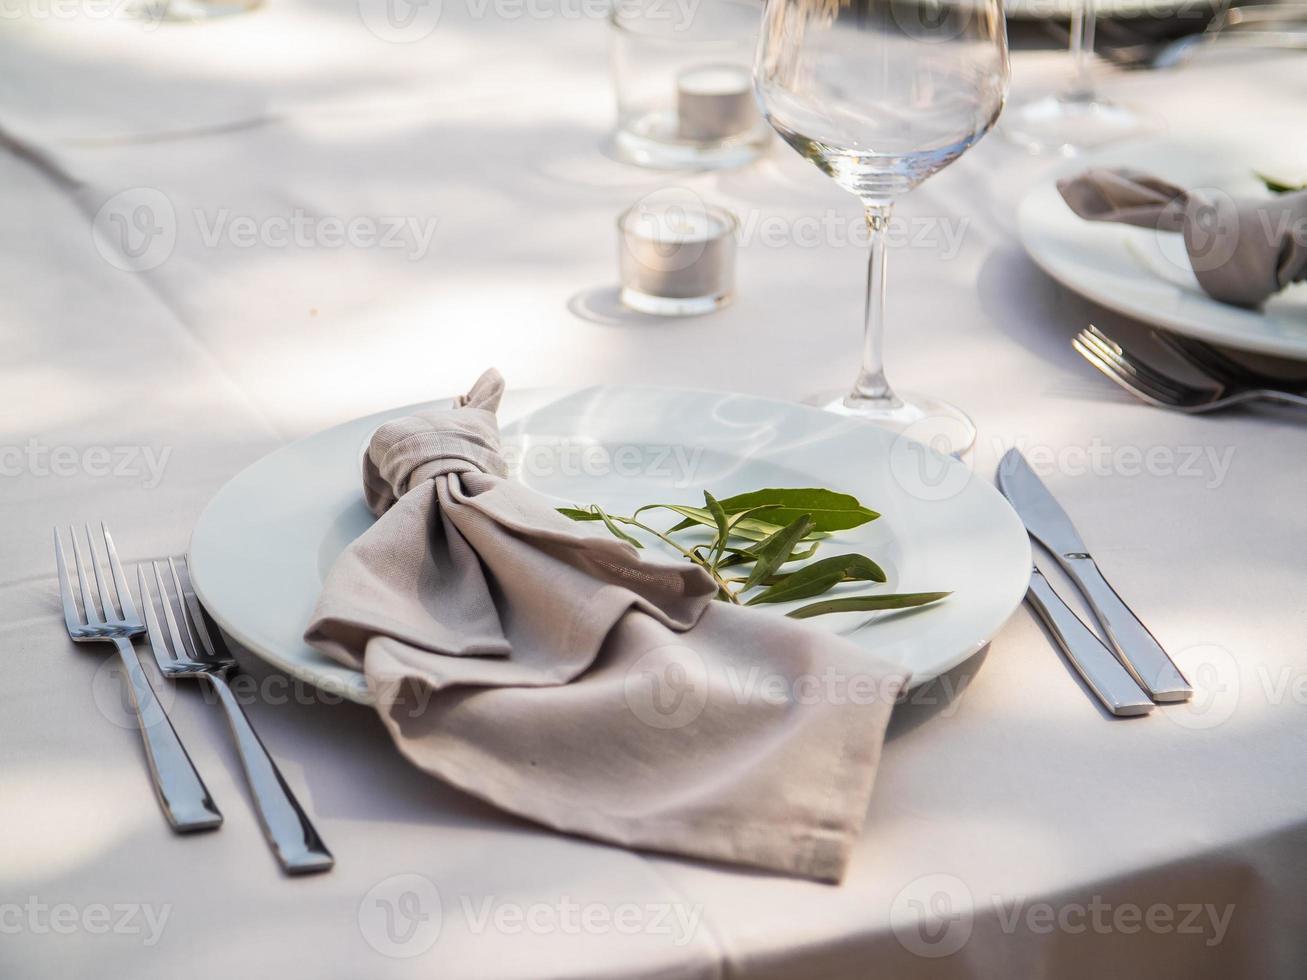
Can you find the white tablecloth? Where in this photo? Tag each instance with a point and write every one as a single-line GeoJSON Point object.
{"type": "Point", "coordinates": [1042, 839]}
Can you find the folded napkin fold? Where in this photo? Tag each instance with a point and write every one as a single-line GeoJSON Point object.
{"type": "Point", "coordinates": [567, 677]}
{"type": "Point", "coordinates": [1243, 251]}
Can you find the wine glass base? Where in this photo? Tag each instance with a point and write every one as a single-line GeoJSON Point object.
{"type": "Point", "coordinates": [1065, 125]}
{"type": "Point", "coordinates": [944, 427]}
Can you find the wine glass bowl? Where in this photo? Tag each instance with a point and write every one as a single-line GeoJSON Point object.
{"type": "Point", "coordinates": [879, 95]}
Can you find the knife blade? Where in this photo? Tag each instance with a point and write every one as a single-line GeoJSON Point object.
{"type": "Point", "coordinates": [1094, 662]}
{"type": "Point", "coordinates": [1046, 521]}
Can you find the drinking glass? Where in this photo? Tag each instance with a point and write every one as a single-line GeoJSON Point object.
{"type": "Point", "coordinates": [1076, 118]}
{"type": "Point", "coordinates": [879, 95]}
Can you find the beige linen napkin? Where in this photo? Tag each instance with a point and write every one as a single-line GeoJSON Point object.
{"type": "Point", "coordinates": [567, 677]}
{"type": "Point", "coordinates": [1243, 251]}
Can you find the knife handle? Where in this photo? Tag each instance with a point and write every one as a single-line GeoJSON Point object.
{"type": "Point", "coordinates": [1100, 669]}
{"type": "Point", "coordinates": [1139, 651]}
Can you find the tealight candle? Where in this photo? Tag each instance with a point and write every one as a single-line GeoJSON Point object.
{"type": "Point", "coordinates": [715, 102]}
{"type": "Point", "coordinates": [676, 259]}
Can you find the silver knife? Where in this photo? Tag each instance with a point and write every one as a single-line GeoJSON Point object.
{"type": "Point", "coordinates": [1137, 649]}
{"type": "Point", "coordinates": [1099, 667]}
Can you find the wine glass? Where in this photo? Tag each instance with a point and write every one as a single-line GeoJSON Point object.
{"type": "Point", "coordinates": [879, 95]}
{"type": "Point", "coordinates": [1076, 118]}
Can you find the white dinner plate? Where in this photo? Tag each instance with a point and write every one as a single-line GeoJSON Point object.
{"type": "Point", "coordinates": [1145, 274]}
{"type": "Point", "coordinates": [263, 545]}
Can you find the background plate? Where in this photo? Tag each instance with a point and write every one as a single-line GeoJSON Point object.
{"type": "Point", "coordinates": [1146, 274]}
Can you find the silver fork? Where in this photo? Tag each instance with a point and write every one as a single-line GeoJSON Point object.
{"type": "Point", "coordinates": [182, 794]}
{"type": "Point", "coordinates": [1151, 385]}
{"type": "Point", "coordinates": [190, 650]}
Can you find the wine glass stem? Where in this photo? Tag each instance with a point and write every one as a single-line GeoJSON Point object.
{"type": "Point", "coordinates": [1082, 48]}
{"type": "Point", "coordinates": [871, 385]}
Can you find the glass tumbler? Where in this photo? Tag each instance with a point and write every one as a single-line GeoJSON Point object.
{"type": "Point", "coordinates": [684, 83]}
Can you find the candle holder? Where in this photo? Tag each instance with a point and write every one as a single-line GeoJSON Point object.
{"type": "Point", "coordinates": [676, 258]}
{"type": "Point", "coordinates": [684, 83]}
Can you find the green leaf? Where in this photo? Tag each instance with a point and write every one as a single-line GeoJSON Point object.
{"type": "Point", "coordinates": [576, 514]}
{"type": "Point", "coordinates": [830, 511]}
{"type": "Point", "coordinates": [775, 550]}
{"type": "Point", "coordinates": [802, 554]}
{"type": "Point", "coordinates": [723, 525]}
{"type": "Point", "coordinates": [820, 576]}
{"type": "Point", "coordinates": [867, 603]}
{"type": "Point", "coordinates": [749, 528]}
{"type": "Point", "coordinates": [609, 523]}
{"type": "Point", "coordinates": [741, 556]}
{"type": "Point", "coordinates": [1279, 186]}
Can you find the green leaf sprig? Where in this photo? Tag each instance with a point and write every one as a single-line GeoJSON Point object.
{"type": "Point", "coordinates": [768, 530]}
{"type": "Point", "coordinates": [1280, 186]}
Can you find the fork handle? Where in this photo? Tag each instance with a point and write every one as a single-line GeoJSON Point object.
{"type": "Point", "coordinates": [288, 828]}
{"type": "Point", "coordinates": [1282, 397]}
{"type": "Point", "coordinates": [182, 794]}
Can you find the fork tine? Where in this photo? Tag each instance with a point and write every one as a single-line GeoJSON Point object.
{"type": "Point", "coordinates": [1105, 367]}
{"type": "Point", "coordinates": [200, 639]}
{"type": "Point", "coordinates": [1141, 379]}
{"type": "Point", "coordinates": [72, 617]}
{"type": "Point", "coordinates": [1140, 387]}
{"type": "Point", "coordinates": [179, 645]}
{"type": "Point", "coordinates": [183, 612]}
{"type": "Point", "coordinates": [158, 645]}
{"type": "Point", "coordinates": [106, 595]}
{"type": "Point", "coordinates": [119, 579]}
{"type": "Point", "coordinates": [1146, 372]}
{"type": "Point", "coordinates": [83, 583]}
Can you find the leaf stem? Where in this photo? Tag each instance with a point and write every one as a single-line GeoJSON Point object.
{"type": "Point", "coordinates": [722, 587]}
